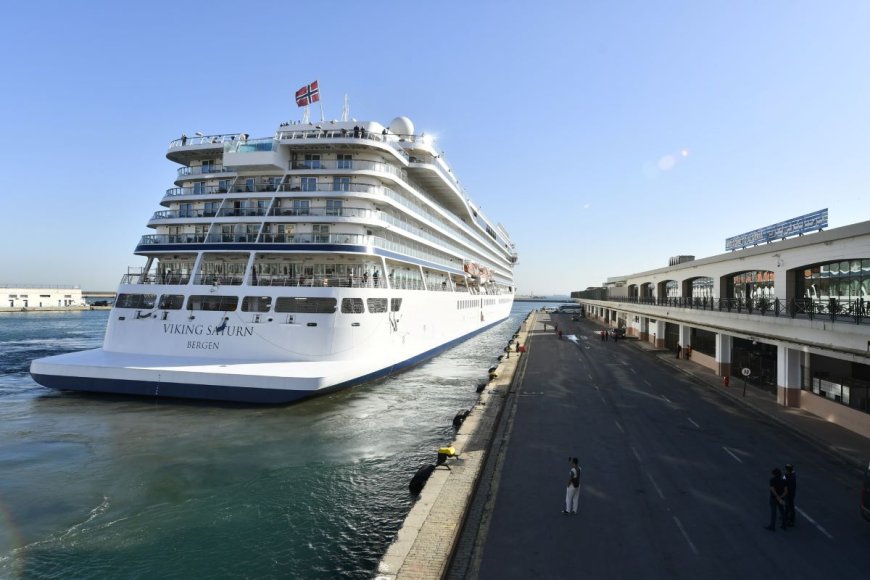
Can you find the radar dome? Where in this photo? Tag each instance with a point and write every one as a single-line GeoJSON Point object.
{"type": "Point", "coordinates": [402, 126]}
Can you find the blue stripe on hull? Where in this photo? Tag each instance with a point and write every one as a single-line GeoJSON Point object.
{"type": "Point", "coordinates": [231, 394]}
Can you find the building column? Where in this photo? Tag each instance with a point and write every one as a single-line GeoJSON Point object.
{"type": "Point", "coordinates": [644, 328]}
{"type": "Point", "coordinates": [788, 376]}
{"type": "Point", "coordinates": [685, 338]}
{"type": "Point", "coordinates": [659, 335]}
{"type": "Point", "coordinates": [723, 354]}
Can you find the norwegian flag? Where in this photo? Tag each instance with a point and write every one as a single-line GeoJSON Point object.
{"type": "Point", "coordinates": [307, 95]}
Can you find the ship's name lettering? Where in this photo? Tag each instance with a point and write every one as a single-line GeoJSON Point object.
{"type": "Point", "coordinates": [208, 330]}
{"type": "Point", "coordinates": [197, 345]}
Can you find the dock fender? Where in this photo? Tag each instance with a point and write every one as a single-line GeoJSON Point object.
{"type": "Point", "coordinates": [420, 478]}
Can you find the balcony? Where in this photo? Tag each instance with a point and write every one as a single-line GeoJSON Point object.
{"type": "Point", "coordinates": [245, 238]}
{"type": "Point", "coordinates": [242, 212]}
{"type": "Point", "coordinates": [199, 140]}
{"type": "Point", "coordinates": [203, 170]}
{"type": "Point", "coordinates": [172, 214]}
{"type": "Point", "coordinates": [324, 211]}
{"type": "Point", "coordinates": [348, 165]}
{"type": "Point", "coordinates": [330, 134]}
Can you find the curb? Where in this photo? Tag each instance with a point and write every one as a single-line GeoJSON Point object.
{"type": "Point", "coordinates": [424, 546]}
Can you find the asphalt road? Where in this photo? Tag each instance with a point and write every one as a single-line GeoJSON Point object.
{"type": "Point", "coordinates": [674, 478]}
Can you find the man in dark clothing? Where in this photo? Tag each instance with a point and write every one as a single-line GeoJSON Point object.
{"type": "Point", "coordinates": [791, 491]}
{"type": "Point", "coordinates": [778, 493]}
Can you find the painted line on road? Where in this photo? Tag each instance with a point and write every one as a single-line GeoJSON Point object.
{"type": "Point", "coordinates": [636, 454]}
{"type": "Point", "coordinates": [731, 453]}
{"type": "Point", "coordinates": [693, 423]}
{"type": "Point", "coordinates": [632, 370]}
{"type": "Point", "coordinates": [685, 535]}
{"type": "Point", "coordinates": [812, 521]}
{"type": "Point", "coordinates": [589, 375]}
{"type": "Point", "coordinates": [667, 400]}
{"type": "Point", "coordinates": [655, 485]}
{"type": "Point", "coordinates": [618, 426]}
{"type": "Point", "coordinates": [647, 383]}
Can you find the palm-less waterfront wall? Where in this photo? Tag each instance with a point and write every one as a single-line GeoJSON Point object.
{"type": "Point", "coordinates": [22, 297]}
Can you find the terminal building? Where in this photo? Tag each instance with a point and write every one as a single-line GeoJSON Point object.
{"type": "Point", "coordinates": [34, 297]}
{"type": "Point", "coordinates": [788, 314]}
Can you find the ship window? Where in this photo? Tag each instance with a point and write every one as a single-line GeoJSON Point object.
{"type": "Point", "coordinates": [395, 304]}
{"type": "Point", "coordinates": [171, 302]}
{"type": "Point", "coordinates": [333, 206]}
{"type": "Point", "coordinates": [301, 206]}
{"type": "Point", "coordinates": [256, 303]}
{"type": "Point", "coordinates": [321, 233]}
{"type": "Point", "coordinates": [352, 306]}
{"type": "Point", "coordinates": [305, 305]}
{"type": "Point", "coordinates": [211, 302]}
{"type": "Point", "coordinates": [309, 184]}
{"type": "Point", "coordinates": [377, 305]}
{"type": "Point", "coordinates": [134, 300]}
{"type": "Point", "coordinates": [312, 161]}
{"type": "Point", "coordinates": [341, 184]}
{"type": "Point", "coordinates": [345, 161]}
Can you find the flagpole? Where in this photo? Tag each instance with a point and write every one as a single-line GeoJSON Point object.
{"type": "Point", "coordinates": [305, 114]}
{"type": "Point", "coordinates": [321, 110]}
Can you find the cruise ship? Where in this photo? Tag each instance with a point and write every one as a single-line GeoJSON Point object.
{"type": "Point", "coordinates": [325, 256]}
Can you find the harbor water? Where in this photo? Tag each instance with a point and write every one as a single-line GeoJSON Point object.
{"type": "Point", "coordinates": [95, 486]}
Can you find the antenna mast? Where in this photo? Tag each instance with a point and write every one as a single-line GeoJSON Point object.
{"type": "Point", "coordinates": [345, 110]}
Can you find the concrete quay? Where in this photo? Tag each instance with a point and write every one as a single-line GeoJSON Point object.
{"type": "Point", "coordinates": [622, 407]}
{"type": "Point", "coordinates": [426, 541]}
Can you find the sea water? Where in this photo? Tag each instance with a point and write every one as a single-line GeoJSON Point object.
{"type": "Point", "coordinates": [101, 486]}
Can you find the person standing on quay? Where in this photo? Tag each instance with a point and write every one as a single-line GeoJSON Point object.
{"type": "Point", "coordinates": [778, 492]}
{"type": "Point", "coordinates": [679, 350]}
{"type": "Point", "coordinates": [572, 493]}
{"type": "Point", "coordinates": [791, 491]}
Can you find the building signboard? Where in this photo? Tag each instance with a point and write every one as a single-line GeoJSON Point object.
{"type": "Point", "coordinates": [810, 222]}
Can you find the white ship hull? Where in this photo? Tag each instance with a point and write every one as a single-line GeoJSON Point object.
{"type": "Point", "coordinates": [282, 267]}
{"type": "Point", "coordinates": [257, 360]}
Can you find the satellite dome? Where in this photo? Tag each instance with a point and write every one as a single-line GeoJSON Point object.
{"type": "Point", "coordinates": [402, 126]}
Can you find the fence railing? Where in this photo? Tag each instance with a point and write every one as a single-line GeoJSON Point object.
{"type": "Point", "coordinates": [833, 309]}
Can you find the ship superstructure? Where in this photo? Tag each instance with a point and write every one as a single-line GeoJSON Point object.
{"type": "Point", "coordinates": [326, 255]}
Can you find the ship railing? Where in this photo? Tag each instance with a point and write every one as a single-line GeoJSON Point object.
{"type": "Point", "coordinates": [418, 209]}
{"type": "Point", "coordinates": [203, 140]}
{"type": "Point", "coordinates": [296, 185]}
{"type": "Point", "coordinates": [356, 164]}
{"type": "Point", "coordinates": [409, 249]}
{"type": "Point", "coordinates": [183, 214]}
{"type": "Point", "coordinates": [163, 279]}
{"type": "Point", "coordinates": [390, 139]}
{"type": "Point", "coordinates": [248, 186]}
{"type": "Point", "coordinates": [323, 211]}
{"type": "Point", "coordinates": [251, 238]}
{"type": "Point", "coordinates": [200, 190]}
{"type": "Point", "coordinates": [242, 212]}
{"type": "Point", "coordinates": [204, 170]}
{"type": "Point", "coordinates": [415, 251]}
{"type": "Point", "coordinates": [316, 281]}
{"type": "Point", "coordinates": [219, 279]}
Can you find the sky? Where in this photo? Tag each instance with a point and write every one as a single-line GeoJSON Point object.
{"type": "Point", "coordinates": [605, 136]}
